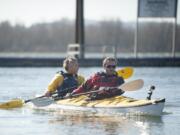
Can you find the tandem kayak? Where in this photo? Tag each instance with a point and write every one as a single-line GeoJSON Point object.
{"type": "Point", "coordinates": [118, 104]}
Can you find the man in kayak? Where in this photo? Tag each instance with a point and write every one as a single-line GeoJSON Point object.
{"type": "Point", "coordinates": [108, 79]}
{"type": "Point", "coordinates": [65, 82]}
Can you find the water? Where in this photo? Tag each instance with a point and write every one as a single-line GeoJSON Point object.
{"type": "Point", "coordinates": [25, 83]}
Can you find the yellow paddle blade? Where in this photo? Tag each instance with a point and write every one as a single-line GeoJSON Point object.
{"type": "Point", "coordinates": [12, 104]}
{"type": "Point", "coordinates": [125, 72]}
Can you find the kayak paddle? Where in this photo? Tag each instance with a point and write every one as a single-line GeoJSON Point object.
{"type": "Point", "coordinates": [129, 86]}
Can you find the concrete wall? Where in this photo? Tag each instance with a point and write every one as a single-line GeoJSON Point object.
{"type": "Point", "coordinates": [56, 62]}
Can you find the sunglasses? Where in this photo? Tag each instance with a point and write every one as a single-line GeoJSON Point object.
{"type": "Point", "coordinates": [111, 66]}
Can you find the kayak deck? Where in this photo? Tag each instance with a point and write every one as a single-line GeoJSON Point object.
{"type": "Point", "coordinates": [118, 101]}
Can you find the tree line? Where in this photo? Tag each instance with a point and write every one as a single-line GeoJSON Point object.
{"type": "Point", "coordinates": [55, 36]}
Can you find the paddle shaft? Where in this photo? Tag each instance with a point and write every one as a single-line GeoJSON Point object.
{"type": "Point", "coordinates": [29, 100]}
{"type": "Point", "coordinates": [85, 93]}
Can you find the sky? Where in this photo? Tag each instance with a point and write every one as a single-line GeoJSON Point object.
{"type": "Point", "coordinates": [29, 12]}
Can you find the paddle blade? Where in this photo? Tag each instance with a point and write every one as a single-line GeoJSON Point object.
{"type": "Point", "coordinates": [132, 86]}
{"type": "Point", "coordinates": [41, 102]}
{"type": "Point", "coordinates": [125, 72]}
{"type": "Point", "coordinates": [12, 104]}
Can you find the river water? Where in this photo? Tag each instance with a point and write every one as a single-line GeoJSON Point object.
{"type": "Point", "coordinates": [25, 83]}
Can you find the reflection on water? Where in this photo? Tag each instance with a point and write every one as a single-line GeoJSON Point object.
{"type": "Point", "coordinates": [110, 125]}
{"type": "Point", "coordinates": [78, 122]}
